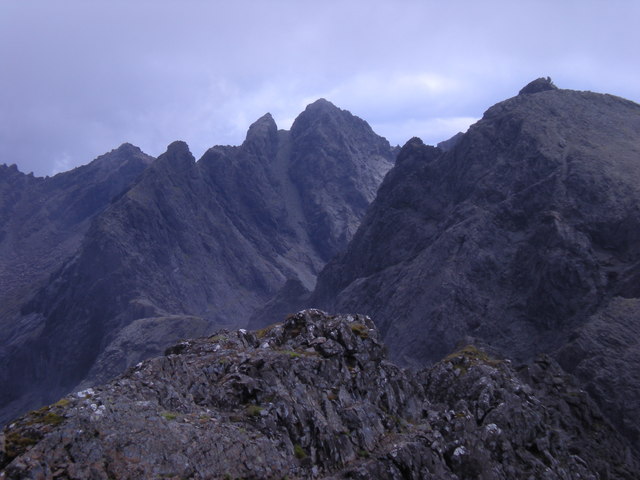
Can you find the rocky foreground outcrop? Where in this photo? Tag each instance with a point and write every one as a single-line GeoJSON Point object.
{"type": "Point", "coordinates": [315, 397]}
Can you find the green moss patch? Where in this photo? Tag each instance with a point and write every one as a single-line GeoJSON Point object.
{"type": "Point", "coordinates": [360, 330]}
{"type": "Point", "coordinates": [169, 415]}
{"type": "Point", "coordinates": [299, 452]}
{"type": "Point", "coordinates": [470, 356]}
{"type": "Point", "coordinates": [254, 410]}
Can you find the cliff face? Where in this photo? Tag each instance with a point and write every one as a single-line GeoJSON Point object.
{"type": "Point", "coordinates": [524, 235]}
{"type": "Point", "coordinates": [193, 246]}
{"type": "Point", "coordinates": [42, 224]}
{"type": "Point", "coordinates": [315, 397]}
{"type": "Point", "coordinates": [42, 220]}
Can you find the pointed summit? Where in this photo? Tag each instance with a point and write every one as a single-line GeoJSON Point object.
{"type": "Point", "coordinates": [262, 135]}
{"type": "Point", "coordinates": [178, 157]}
{"type": "Point", "coordinates": [178, 148]}
{"type": "Point", "coordinates": [324, 114]}
{"type": "Point", "coordinates": [128, 148]}
{"type": "Point", "coordinates": [322, 104]}
{"type": "Point", "coordinates": [321, 108]}
{"type": "Point", "coordinates": [538, 85]}
{"type": "Point", "coordinates": [263, 126]}
{"type": "Point", "coordinates": [119, 156]}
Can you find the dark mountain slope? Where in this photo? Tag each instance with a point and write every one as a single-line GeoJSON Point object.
{"type": "Point", "coordinates": [42, 220]}
{"type": "Point", "coordinates": [197, 245]}
{"type": "Point", "coordinates": [522, 235]}
{"type": "Point", "coordinates": [43, 223]}
{"type": "Point", "coordinates": [334, 156]}
{"type": "Point", "coordinates": [315, 397]}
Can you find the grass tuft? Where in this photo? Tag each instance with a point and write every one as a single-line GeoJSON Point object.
{"type": "Point", "coordinates": [299, 452]}
{"type": "Point", "coordinates": [169, 415]}
{"type": "Point", "coordinates": [360, 330]}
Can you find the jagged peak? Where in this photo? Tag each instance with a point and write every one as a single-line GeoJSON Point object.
{"type": "Point", "coordinates": [128, 148]}
{"type": "Point", "coordinates": [12, 171]}
{"type": "Point", "coordinates": [262, 135]}
{"type": "Point", "coordinates": [264, 126]}
{"type": "Point", "coordinates": [322, 102]}
{"type": "Point", "coordinates": [410, 149]}
{"type": "Point", "coordinates": [323, 112]}
{"type": "Point", "coordinates": [178, 147]}
{"type": "Point", "coordinates": [124, 150]}
{"type": "Point", "coordinates": [322, 105]}
{"type": "Point", "coordinates": [13, 167]}
{"type": "Point", "coordinates": [266, 119]}
{"type": "Point", "coordinates": [177, 153]}
{"type": "Point", "coordinates": [538, 85]}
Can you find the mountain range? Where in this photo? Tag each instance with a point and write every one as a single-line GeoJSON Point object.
{"type": "Point", "coordinates": [500, 268]}
{"type": "Point", "coordinates": [173, 248]}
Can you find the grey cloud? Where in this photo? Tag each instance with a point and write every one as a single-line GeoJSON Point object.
{"type": "Point", "coordinates": [83, 77]}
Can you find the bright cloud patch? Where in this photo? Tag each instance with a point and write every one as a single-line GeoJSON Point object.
{"type": "Point", "coordinates": [430, 130]}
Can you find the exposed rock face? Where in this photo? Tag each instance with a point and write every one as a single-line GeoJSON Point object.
{"type": "Point", "coordinates": [605, 354]}
{"type": "Point", "coordinates": [315, 397]}
{"type": "Point", "coordinates": [524, 235]}
{"type": "Point", "coordinates": [334, 156]}
{"type": "Point", "coordinates": [42, 220]}
{"type": "Point", "coordinates": [450, 143]}
{"type": "Point", "coordinates": [42, 223]}
{"type": "Point", "coordinates": [538, 85]}
{"type": "Point", "coordinates": [194, 246]}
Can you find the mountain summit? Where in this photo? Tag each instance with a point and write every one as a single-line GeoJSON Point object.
{"type": "Point", "coordinates": [538, 85]}
{"type": "Point", "coordinates": [524, 235]}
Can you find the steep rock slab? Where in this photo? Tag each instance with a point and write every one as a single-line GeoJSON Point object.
{"type": "Point", "coordinates": [604, 355]}
{"type": "Point", "coordinates": [336, 165]}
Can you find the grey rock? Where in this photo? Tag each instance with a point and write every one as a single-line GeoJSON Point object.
{"type": "Point", "coordinates": [451, 142]}
{"type": "Point", "coordinates": [270, 404]}
{"type": "Point", "coordinates": [538, 85]}
{"type": "Point", "coordinates": [42, 224]}
{"type": "Point", "coordinates": [603, 354]}
{"type": "Point", "coordinates": [522, 235]}
{"type": "Point", "coordinates": [209, 241]}
{"type": "Point", "coordinates": [141, 339]}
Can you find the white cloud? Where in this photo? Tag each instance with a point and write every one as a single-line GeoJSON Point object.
{"type": "Point", "coordinates": [431, 130]}
{"type": "Point", "coordinates": [393, 88]}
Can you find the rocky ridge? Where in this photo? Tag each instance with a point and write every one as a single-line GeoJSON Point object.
{"type": "Point", "coordinates": [315, 397]}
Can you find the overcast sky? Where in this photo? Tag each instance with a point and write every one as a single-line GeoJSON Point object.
{"type": "Point", "coordinates": [78, 78]}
